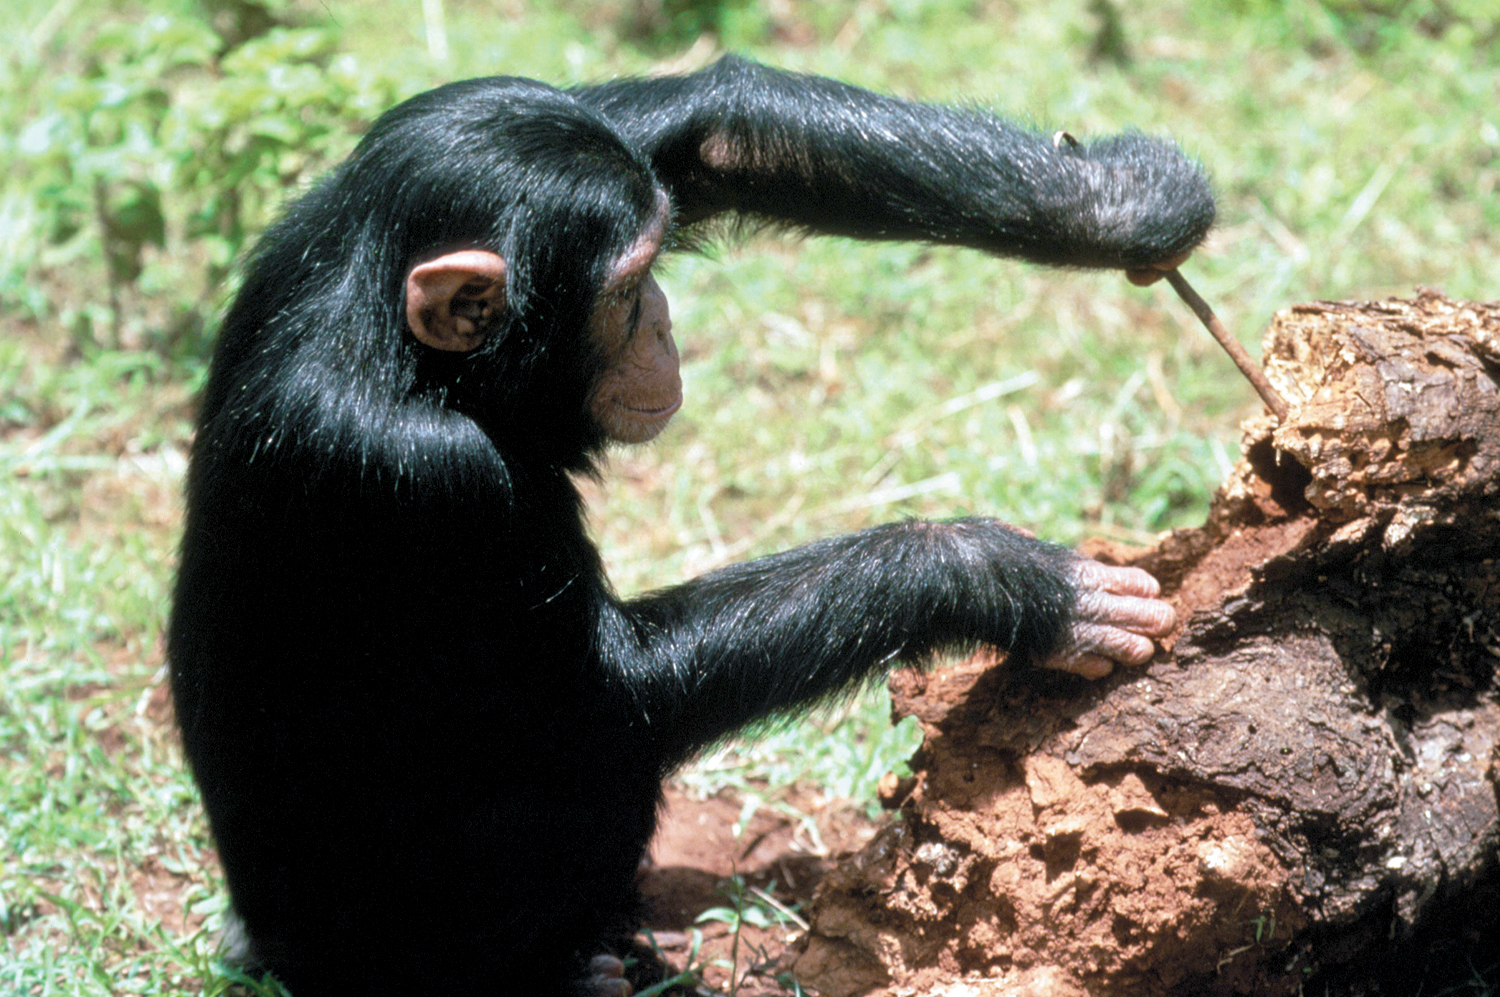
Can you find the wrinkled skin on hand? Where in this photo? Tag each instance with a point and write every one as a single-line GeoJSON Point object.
{"type": "Point", "coordinates": [1117, 619]}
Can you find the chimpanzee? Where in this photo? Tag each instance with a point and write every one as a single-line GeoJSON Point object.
{"type": "Point", "coordinates": [429, 736]}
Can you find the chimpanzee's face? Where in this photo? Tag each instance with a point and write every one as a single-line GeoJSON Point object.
{"type": "Point", "coordinates": [641, 387]}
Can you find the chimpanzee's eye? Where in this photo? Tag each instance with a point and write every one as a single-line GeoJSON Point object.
{"type": "Point", "coordinates": [635, 313]}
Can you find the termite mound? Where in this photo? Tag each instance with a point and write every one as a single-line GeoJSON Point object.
{"type": "Point", "coordinates": [1302, 783]}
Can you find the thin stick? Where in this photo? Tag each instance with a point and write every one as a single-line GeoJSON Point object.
{"type": "Point", "coordinates": [1231, 345]}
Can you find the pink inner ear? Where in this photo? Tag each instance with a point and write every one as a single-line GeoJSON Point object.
{"type": "Point", "coordinates": [431, 286]}
{"type": "Point", "coordinates": [453, 270]}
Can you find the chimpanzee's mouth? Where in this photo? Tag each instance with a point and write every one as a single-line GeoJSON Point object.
{"type": "Point", "coordinates": [666, 411]}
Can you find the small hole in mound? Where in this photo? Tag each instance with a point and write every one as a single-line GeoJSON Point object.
{"type": "Point", "coordinates": [1287, 478]}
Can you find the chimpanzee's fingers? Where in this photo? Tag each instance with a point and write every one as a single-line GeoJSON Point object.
{"type": "Point", "coordinates": [1112, 642]}
{"type": "Point", "coordinates": [1121, 581]}
{"type": "Point", "coordinates": [1151, 617]}
{"type": "Point", "coordinates": [1090, 666]}
{"type": "Point", "coordinates": [1142, 276]}
{"type": "Point", "coordinates": [1114, 619]}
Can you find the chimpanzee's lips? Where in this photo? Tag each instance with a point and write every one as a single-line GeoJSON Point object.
{"type": "Point", "coordinates": [664, 412]}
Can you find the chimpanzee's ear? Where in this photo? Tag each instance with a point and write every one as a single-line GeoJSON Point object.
{"type": "Point", "coordinates": [453, 301]}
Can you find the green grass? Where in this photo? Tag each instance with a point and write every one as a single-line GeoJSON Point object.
{"type": "Point", "coordinates": [829, 385]}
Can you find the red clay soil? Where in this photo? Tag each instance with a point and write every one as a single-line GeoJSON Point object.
{"type": "Point", "coordinates": [700, 845]}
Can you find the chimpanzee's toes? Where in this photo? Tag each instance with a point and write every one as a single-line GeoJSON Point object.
{"type": "Point", "coordinates": [607, 978]}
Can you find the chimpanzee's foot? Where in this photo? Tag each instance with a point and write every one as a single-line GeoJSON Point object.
{"type": "Point", "coordinates": [606, 978]}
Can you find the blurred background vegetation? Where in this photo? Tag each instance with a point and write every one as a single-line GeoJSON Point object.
{"type": "Point", "coordinates": [1355, 146]}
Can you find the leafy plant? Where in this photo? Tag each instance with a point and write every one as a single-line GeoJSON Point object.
{"type": "Point", "coordinates": [755, 907]}
{"type": "Point", "coordinates": [160, 144]}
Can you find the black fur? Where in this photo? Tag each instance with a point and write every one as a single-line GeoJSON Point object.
{"type": "Point", "coordinates": [429, 738]}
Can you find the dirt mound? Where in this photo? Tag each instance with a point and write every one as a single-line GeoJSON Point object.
{"type": "Point", "coordinates": [1303, 781]}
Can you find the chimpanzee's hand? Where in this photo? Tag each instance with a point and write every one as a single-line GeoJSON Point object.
{"type": "Point", "coordinates": [1117, 615]}
{"type": "Point", "coordinates": [1156, 271]}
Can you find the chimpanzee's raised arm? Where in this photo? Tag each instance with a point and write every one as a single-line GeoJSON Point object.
{"type": "Point", "coordinates": [814, 153]}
